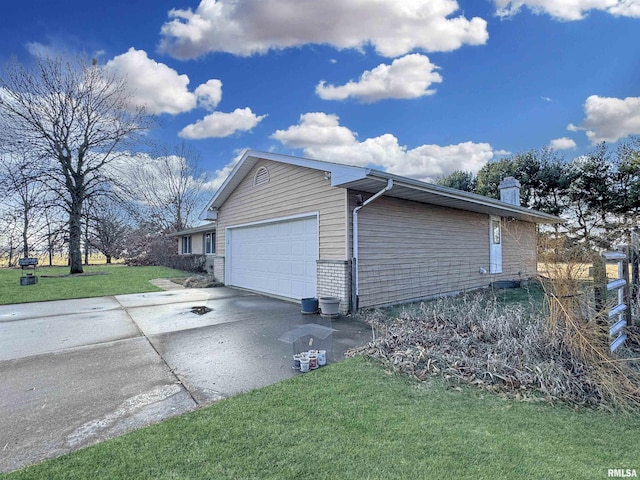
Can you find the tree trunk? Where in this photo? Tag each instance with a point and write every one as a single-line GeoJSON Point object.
{"type": "Point", "coordinates": [25, 237]}
{"type": "Point", "coordinates": [10, 253]}
{"type": "Point", "coordinates": [75, 238]}
{"type": "Point", "coordinates": [108, 258]}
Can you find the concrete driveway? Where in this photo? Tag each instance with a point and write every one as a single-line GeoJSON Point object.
{"type": "Point", "coordinates": [75, 372]}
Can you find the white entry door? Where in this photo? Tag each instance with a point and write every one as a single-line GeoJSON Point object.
{"type": "Point", "coordinates": [277, 257]}
{"type": "Point", "coordinates": [495, 245]}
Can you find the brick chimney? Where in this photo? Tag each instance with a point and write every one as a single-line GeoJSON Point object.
{"type": "Point", "coordinates": [510, 191]}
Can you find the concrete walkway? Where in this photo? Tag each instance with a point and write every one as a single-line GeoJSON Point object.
{"type": "Point", "coordinates": [166, 284]}
{"type": "Point", "coordinates": [76, 372]}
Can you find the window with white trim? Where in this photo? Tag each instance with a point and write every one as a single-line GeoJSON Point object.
{"type": "Point", "coordinates": [209, 243]}
{"type": "Point", "coordinates": [495, 245]}
{"type": "Point", "coordinates": [186, 245]}
{"type": "Point", "coordinates": [495, 232]}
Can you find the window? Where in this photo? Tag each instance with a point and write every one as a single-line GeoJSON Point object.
{"type": "Point", "coordinates": [209, 243]}
{"type": "Point", "coordinates": [495, 246]}
{"type": "Point", "coordinates": [186, 245]}
{"type": "Point", "coordinates": [495, 231]}
{"type": "Point", "coordinates": [261, 177]}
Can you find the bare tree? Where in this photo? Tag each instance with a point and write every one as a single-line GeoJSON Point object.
{"type": "Point", "coordinates": [24, 193]}
{"type": "Point", "coordinates": [54, 230]}
{"type": "Point", "coordinates": [169, 189]}
{"type": "Point", "coordinates": [109, 229]}
{"type": "Point", "coordinates": [74, 114]}
{"type": "Point", "coordinates": [9, 235]}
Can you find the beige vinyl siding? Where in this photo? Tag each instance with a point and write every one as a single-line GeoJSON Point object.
{"type": "Point", "coordinates": [519, 250]}
{"type": "Point", "coordinates": [409, 250]}
{"type": "Point", "coordinates": [197, 243]}
{"type": "Point", "coordinates": [291, 190]}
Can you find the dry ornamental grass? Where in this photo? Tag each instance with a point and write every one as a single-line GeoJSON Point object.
{"type": "Point", "coordinates": [520, 350]}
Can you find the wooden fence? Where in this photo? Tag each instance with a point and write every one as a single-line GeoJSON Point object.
{"type": "Point", "coordinates": [624, 287]}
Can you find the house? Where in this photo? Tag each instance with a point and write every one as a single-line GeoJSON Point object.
{"type": "Point", "coordinates": [295, 228]}
{"type": "Point", "coordinates": [198, 241]}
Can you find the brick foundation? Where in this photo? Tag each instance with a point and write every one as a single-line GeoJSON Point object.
{"type": "Point", "coordinates": [334, 280]}
{"type": "Point", "coordinates": [215, 265]}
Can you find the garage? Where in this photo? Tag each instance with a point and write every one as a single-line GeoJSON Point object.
{"type": "Point", "coordinates": [277, 257]}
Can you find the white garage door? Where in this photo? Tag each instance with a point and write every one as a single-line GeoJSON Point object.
{"type": "Point", "coordinates": [277, 257]}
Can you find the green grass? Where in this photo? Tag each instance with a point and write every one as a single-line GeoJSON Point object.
{"type": "Point", "coordinates": [114, 280]}
{"type": "Point", "coordinates": [354, 420]}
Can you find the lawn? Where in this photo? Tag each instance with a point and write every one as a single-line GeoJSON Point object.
{"type": "Point", "coordinates": [55, 284]}
{"type": "Point", "coordinates": [355, 420]}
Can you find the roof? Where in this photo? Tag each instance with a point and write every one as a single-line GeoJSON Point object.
{"type": "Point", "coordinates": [209, 227]}
{"type": "Point", "coordinates": [372, 181]}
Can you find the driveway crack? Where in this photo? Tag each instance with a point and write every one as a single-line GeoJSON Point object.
{"type": "Point", "coordinates": [142, 334]}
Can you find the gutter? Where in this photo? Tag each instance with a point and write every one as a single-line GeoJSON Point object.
{"type": "Point", "coordinates": [488, 202]}
{"type": "Point", "coordinates": [354, 263]}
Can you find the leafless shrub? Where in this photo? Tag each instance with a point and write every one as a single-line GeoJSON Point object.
{"type": "Point", "coordinates": [518, 349]}
{"type": "Point", "coordinates": [582, 331]}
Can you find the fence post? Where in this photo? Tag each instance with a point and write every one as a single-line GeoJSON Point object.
{"type": "Point", "coordinates": [624, 296]}
{"type": "Point", "coordinates": [635, 262]}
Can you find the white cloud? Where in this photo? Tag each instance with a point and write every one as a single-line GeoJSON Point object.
{"type": "Point", "coordinates": [626, 8]}
{"type": "Point", "coordinates": [609, 119]}
{"type": "Point", "coordinates": [321, 136]}
{"type": "Point", "coordinates": [406, 77]}
{"type": "Point", "coordinates": [248, 27]}
{"type": "Point", "coordinates": [221, 174]}
{"type": "Point", "coordinates": [315, 130]}
{"type": "Point", "coordinates": [38, 49]}
{"type": "Point", "coordinates": [157, 87]}
{"type": "Point", "coordinates": [564, 143]}
{"type": "Point", "coordinates": [219, 124]}
{"type": "Point", "coordinates": [160, 89]}
{"type": "Point", "coordinates": [209, 94]}
{"type": "Point", "coordinates": [569, 9]}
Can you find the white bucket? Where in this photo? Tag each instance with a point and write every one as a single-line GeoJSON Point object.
{"type": "Point", "coordinates": [329, 306]}
{"type": "Point", "coordinates": [304, 364]}
{"type": "Point", "coordinates": [296, 361]}
{"type": "Point", "coordinates": [322, 357]}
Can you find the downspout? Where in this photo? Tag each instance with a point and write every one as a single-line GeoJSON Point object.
{"type": "Point", "coordinates": [354, 263]}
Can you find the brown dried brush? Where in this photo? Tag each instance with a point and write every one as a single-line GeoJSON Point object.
{"type": "Point", "coordinates": [582, 331]}
{"type": "Point", "coordinates": [559, 351]}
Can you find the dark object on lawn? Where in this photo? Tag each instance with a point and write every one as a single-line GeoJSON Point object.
{"type": "Point", "coordinates": [200, 310]}
{"type": "Point", "coordinates": [29, 279]}
{"type": "Point", "coordinates": [500, 284]}
{"type": "Point", "coordinates": [31, 264]}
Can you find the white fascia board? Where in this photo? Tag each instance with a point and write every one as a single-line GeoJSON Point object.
{"type": "Point", "coordinates": [340, 174]}
{"type": "Point", "coordinates": [500, 207]}
{"type": "Point", "coordinates": [223, 191]}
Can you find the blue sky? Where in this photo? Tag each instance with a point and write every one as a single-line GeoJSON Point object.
{"type": "Point", "coordinates": [417, 87]}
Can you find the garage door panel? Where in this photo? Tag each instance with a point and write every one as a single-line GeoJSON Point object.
{"type": "Point", "coordinates": [278, 258]}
